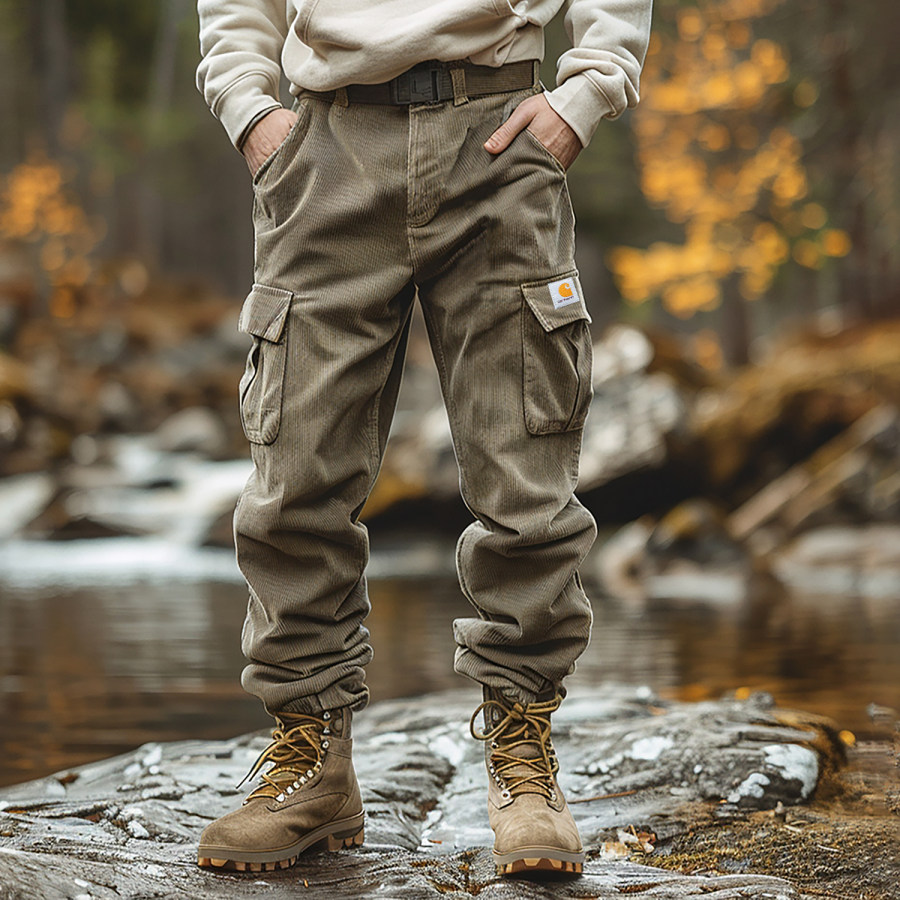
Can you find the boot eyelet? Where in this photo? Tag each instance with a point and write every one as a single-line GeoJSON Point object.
{"type": "Point", "coordinates": [506, 795]}
{"type": "Point", "coordinates": [324, 745]}
{"type": "Point", "coordinates": [280, 798]}
{"type": "Point", "coordinates": [309, 774]}
{"type": "Point", "coordinates": [326, 730]}
{"type": "Point", "coordinates": [493, 745]}
{"type": "Point", "coordinates": [326, 716]}
{"type": "Point", "coordinates": [290, 789]}
{"type": "Point", "coordinates": [303, 779]}
{"type": "Point", "coordinates": [296, 785]}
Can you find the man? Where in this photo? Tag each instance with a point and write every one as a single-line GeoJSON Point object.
{"type": "Point", "coordinates": [421, 158]}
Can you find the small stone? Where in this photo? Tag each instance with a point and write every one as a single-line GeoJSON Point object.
{"type": "Point", "coordinates": [137, 830]}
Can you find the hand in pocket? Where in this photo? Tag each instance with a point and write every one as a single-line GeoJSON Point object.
{"type": "Point", "coordinates": [267, 135]}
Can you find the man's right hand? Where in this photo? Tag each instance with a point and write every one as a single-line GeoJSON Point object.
{"type": "Point", "coordinates": [266, 137]}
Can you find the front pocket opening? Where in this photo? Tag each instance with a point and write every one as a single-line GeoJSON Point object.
{"type": "Point", "coordinates": [545, 152]}
{"type": "Point", "coordinates": [302, 115]}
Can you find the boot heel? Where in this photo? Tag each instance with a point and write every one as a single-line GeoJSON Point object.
{"type": "Point", "coordinates": [344, 841]}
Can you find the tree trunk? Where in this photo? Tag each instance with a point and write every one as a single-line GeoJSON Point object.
{"type": "Point", "coordinates": [55, 70]}
{"type": "Point", "coordinates": [159, 101]}
{"type": "Point", "coordinates": [736, 330]}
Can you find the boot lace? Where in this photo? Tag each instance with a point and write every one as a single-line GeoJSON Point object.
{"type": "Point", "coordinates": [299, 744]}
{"type": "Point", "coordinates": [522, 758]}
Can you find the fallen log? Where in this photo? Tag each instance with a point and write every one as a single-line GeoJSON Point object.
{"type": "Point", "coordinates": [806, 487]}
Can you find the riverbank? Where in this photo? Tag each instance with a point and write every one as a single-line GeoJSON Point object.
{"type": "Point", "coordinates": [674, 800]}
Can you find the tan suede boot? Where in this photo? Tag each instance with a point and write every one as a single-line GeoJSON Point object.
{"type": "Point", "coordinates": [309, 797]}
{"type": "Point", "coordinates": [533, 828]}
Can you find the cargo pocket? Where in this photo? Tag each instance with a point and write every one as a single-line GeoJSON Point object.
{"type": "Point", "coordinates": [557, 355]}
{"type": "Point", "coordinates": [264, 317]}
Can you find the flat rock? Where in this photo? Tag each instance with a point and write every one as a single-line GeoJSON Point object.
{"type": "Point", "coordinates": [128, 826]}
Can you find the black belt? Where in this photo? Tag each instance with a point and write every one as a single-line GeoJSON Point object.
{"type": "Point", "coordinates": [432, 82]}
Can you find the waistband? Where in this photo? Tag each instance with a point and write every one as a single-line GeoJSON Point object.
{"type": "Point", "coordinates": [434, 81]}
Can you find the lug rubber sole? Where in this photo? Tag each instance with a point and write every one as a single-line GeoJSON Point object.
{"type": "Point", "coordinates": [539, 864]}
{"type": "Point", "coordinates": [539, 859]}
{"type": "Point", "coordinates": [332, 837]}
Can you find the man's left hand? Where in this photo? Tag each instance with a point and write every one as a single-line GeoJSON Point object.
{"type": "Point", "coordinates": [545, 124]}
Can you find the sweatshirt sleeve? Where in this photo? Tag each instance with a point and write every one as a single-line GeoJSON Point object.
{"type": "Point", "coordinates": [240, 70]}
{"type": "Point", "coordinates": [600, 76]}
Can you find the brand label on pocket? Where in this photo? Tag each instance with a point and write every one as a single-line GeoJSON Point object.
{"type": "Point", "coordinates": [564, 292]}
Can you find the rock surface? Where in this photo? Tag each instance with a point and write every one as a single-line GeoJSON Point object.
{"type": "Point", "coordinates": [634, 768]}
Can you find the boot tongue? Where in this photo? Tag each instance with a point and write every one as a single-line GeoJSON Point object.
{"type": "Point", "coordinates": [520, 739]}
{"type": "Point", "coordinates": [529, 750]}
{"type": "Point", "coordinates": [526, 736]}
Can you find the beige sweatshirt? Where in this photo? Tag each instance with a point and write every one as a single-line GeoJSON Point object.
{"type": "Point", "coordinates": [325, 44]}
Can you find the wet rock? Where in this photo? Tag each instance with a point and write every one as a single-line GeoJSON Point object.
{"type": "Point", "coordinates": [220, 532]}
{"type": "Point", "coordinates": [631, 763]}
{"type": "Point", "coordinates": [196, 429]}
{"type": "Point", "coordinates": [22, 499]}
{"type": "Point", "coordinates": [687, 555]}
{"type": "Point", "coordinates": [628, 426]}
{"type": "Point", "coordinates": [633, 412]}
{"type": "Point", "coordinates": [131, 487]}
{"type": "Point", "coordinates": [13, 378]}
{"type": "Point", "coordinates": [841, 561]}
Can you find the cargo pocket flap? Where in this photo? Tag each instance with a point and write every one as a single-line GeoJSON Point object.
{"type": "Point", "coordinates": [264, 312]}
{"type": "Point", "coordinates": [556, 302]}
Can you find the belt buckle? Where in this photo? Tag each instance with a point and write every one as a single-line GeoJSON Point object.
{"type": "Point", "coordinates": [420, 84]}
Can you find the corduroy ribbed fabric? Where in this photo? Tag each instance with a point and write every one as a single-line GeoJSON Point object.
{"type": "Point", "coordinates": [362, 209]}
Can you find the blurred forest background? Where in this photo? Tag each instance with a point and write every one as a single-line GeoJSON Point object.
{"type": "Point", "coordinates": [739, 241]}
{"type": "Point", "coordinates": [754, 191]}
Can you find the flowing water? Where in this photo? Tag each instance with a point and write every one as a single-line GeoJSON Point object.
{"type": "Point", "coordinates": [90, 671]}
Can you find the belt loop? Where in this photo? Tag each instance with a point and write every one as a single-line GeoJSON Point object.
{"type": "Point", "coordinates": [536, 76]}
{"type": "Point", "coordinates": [340, 97]}
{"type": "Point", "coordinates": [458, 78]}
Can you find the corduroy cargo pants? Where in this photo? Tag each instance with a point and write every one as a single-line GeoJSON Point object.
{"type": "Point", "coordinates": [362, 209]}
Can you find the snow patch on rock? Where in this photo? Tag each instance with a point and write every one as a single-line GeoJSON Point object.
{"type": "Point", "coordinates": [794, 762]}
{"type": "Point", "coordinates": [753, 785]}
{"type": "Point", "coordinates": [135, 829]}
{"type": "Point", "coordinates": [650, 747]}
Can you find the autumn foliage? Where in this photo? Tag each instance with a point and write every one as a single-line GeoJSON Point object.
{"type": "Point", "coordinates": [38, 207]}
{"type": "Point", "coordinates": [717, 157]}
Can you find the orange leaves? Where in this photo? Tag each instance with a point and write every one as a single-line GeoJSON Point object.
{"type": "Point", "coordinates": [32, 202]}
{"type": "Point", "coordinates": [813, 252]}
{"type": "Point", "coordinates": [690, 24]}
{"type": "Point", "coordinates": [714, 159]}
{"type": "Point", "coordinates": [771, 61]}
{"type": "Point", "coordinates": [806, 93]}
{"type": "Point", "coordinates": [676, 184]}
{"type": "Point", "coordinates": [686, 276]}
{"type": "Point", "coordinates": [37, 207]}
{"type": "Point", "coordinates": [813, 215]}
{"type": "Point", "coordinates": [836, 242]}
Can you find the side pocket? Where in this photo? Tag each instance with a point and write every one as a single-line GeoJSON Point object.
{"type": "Point", "coordinates": [556, 355]}
{"type": "Point", "coordinates": [264, 317]}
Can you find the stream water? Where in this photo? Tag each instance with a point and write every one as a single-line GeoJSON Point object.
{"type": "Point", "coordinates": [88, 671]}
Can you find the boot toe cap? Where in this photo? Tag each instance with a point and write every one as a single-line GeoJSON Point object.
{"type": "Point", "coordinates": [240, 830]}
{"type": "Point", "coordinates": [532, 822]}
